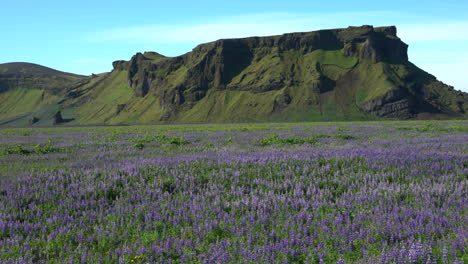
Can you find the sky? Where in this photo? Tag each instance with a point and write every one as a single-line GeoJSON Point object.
{"type": "Point", "coordinates": [85, 36]}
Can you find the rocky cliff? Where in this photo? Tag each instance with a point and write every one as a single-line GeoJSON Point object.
{"type": "Point", "coordinates": [363, 68]}
{"type": "Point", "coordinates": [339, 74]}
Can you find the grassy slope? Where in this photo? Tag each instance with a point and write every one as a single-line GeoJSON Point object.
{"type": "Point", "coordinates": [245, 106]}
{"type": "Point", "coordinates": [144, 110]}
{"type": "Point", "coordinates": [31, 91]}
{"type": "Point", "coordinates": [34, 69]}
{"type": "Point", "coordinates": [108, 92]}
{"type": "Point", "coordinates": [229, 106]}
{"type": "Point", "coordinates": [19, 102]}
{"type": "Point", "coordinates": [105, 93]}
{"type": "Point", "coordinates": [269, 66]}
{"type": "Point", "coordinates": [101, 97]}
{"type": "Point", "coordinates": [445, 94]}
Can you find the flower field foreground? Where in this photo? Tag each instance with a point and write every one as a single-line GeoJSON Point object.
{"type": "Point", "coordinates": [374, 192]}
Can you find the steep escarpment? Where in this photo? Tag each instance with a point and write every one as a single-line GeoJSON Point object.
{"type": "Point", "coordinates": [355, 73]}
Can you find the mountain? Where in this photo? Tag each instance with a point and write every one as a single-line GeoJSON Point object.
{"type": "Point", "coordinates": [356, 73]}
{"type": "Point", "coordinates": [26, 88]}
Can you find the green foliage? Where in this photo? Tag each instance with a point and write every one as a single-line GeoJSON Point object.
{"type": "Point", "coordinates": [21, 102]}
{"type": "Point", "coordinates": [11, 253]}
{"type": "Point", "coordinates": [162, 139]}
{"type": "Point", "coordinates": [342, 133]}
{"type": "Point", "coordinates": [344, 136]}
{"type": "Point", "coordinates": [169, 186]}
{"type": "Point", "coordinates": [432, 127]}
{"type": "Point", "coordinates": [336, 189]}
{"type": "Point", "coordinates": [178, 141]}
{"type": "Point", "coordinates": [274, 139]}
{"type": "Point", "coordinates": [360, 96]}
{"type": "Point", "coordinates": [218, 233]}
{"type": "Point", "coordinates": [45, 148]}
{"type": "Point", "coordinates": [425, 128]}
{"type": "Point", "coordinates": [16, 149]}
{"type": "Point", "coordinates": [332, 57]}
{"type": "Point", "coordinates": [21, 149]}
{"type": "Point", "coordinates": [139, 145]}
{"type": "Point", "coordinates": [208, 145]}
{"type": "Point", "coordinates": [19, 132]}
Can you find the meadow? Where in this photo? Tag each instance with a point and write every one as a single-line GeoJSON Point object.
{"type": "Point", "coordinates": [356, 192]}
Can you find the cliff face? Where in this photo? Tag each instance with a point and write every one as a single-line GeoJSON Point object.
{"type": "Point", "coordinates": [362, 68]}
{"type": "Point", "coordinates": [340, 74]}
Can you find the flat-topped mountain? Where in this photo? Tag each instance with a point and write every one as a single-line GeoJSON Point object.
{"type": "Point", "coordinates": [339, 74]}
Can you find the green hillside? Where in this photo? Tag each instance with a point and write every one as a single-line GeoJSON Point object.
{"type": "Point", "coordinates": [29, 91]}
{"type": "Point", "coordinates": [356, 73]}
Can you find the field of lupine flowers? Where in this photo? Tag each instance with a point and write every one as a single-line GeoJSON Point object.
{"type": "Point", "coordinates": [369, 192]}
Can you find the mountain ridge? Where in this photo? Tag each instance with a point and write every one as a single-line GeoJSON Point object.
{"type": "Point", "coordinates": [15, 68]}
{"type": "Point", "coordinates": [353, 73]}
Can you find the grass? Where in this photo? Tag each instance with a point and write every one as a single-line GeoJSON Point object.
{"type": "Point", "coordinates": [442, 126]}
{"type": "Point", "coordinates": [34, 69]}
{"type": "Point", "coordinates": [375, 81]}
{"type": "Point", "coordinates": [432, 127]}
{"type": "Point", "coordinates": [113, 90]}
{"type": "Point", "coordinates": [21, 149]}
{"type": "Point", "coordinates": [229, 106]}
{"type": "Point", "coordinates": [274, 139]}
{"type": "Point", "coordinates": [161, 139]}
{"type": "Point", "coordinates": [331, 57]}
{"type": "Point", "coordinates": [16, 102]}
{"type": "Point", "coordinates": [155, 57]}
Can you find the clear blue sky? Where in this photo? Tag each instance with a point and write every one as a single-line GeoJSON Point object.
{"type": "Point", "coordinates": [86, 36]}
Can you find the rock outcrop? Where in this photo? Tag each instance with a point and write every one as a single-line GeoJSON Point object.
{"type": "Point", "coordinates": [58, 118]}
{"type": "Point", "coordinates": [338, 74]}
{"type": "Point", "coordinates": [313, 60]}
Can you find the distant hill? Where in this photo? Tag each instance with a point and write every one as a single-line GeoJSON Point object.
{"type": "Point", "coordinates": [355, 73]}
{"type": "Point", "coordinates": [22, 75]}
{"type": "Point", "coordinates": [28, 89]}
{"type": "Point", "coordinates": [24, 68]}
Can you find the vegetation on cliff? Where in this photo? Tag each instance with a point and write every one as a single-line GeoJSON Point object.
{"type": "Point", "coordinates": [356, 73]}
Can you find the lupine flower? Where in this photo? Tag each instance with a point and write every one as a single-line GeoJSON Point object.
{"type": "Point", "coordinates": [384, 196]}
